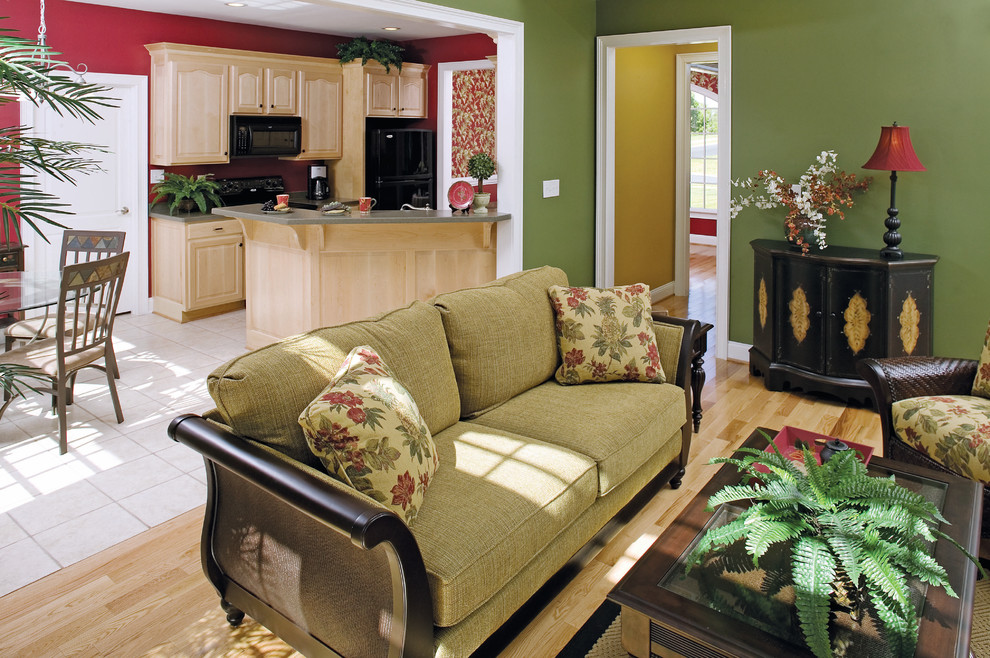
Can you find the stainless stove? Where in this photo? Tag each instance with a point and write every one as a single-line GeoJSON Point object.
{"type": "Point", "coordinates": [240, 191]}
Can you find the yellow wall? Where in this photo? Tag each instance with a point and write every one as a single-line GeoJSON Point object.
{"type": "Point", "coordinates": [645, 106]}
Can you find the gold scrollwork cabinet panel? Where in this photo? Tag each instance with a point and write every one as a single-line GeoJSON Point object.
{"type": "Point", "coordinates": [815, 315]}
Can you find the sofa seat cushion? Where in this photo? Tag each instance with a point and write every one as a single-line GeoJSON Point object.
{"type": "Point", "coordinates": [501, 337]}
{"type": "Point", "coordinates": [261, 393]}
{"type": "Point", "coordinates": [496, 501]}
{"type": "Point", "coordinates": [619, 424]}
{"type": "Point", "coordinates": [953, 430]}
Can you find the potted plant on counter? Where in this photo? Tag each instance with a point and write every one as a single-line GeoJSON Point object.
{"type": "Point", "coordinates": [481, 166]}
{"type": "Point", "coordinates": [187, 193]}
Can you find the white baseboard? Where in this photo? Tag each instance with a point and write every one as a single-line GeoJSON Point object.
{"type": "Point", "coordinates": [664, 291]}
{"type": "Point", "coordinates": [738, 351]}
{"type": "Point", "coordinates": [704, 239]}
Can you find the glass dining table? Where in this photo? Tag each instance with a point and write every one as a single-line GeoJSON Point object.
{"type": "Point", "coordinates": [26, 291]}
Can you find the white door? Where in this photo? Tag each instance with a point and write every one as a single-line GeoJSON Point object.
{"type": "Point", "coordinates": [115, 199]}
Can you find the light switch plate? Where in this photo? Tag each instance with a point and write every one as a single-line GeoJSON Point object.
{"type": "Point", "coordinates": [156, 176]}
{"type": "Point", "coordinates": [551, 188]}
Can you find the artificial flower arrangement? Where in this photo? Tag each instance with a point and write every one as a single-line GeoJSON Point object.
{"type": "Point", "coordinates": [822, 191]}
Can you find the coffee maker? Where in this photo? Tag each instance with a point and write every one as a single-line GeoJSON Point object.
{"type": "Point", "coordinates": [318, 187]}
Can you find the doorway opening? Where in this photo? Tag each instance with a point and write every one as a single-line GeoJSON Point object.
{"type": "Point", "coordinates": [609, 162]}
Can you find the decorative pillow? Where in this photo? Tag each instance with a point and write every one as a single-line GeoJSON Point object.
{"type": "Point", "coordinates": [367, 431]}
{"type": "Point", "coordinates": [606, 335]}
{"type": "Point", "coordinates": [981, 385]}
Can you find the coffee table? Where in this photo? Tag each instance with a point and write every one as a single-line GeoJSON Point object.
{"type": "Point", "coordinates": [663, 614]}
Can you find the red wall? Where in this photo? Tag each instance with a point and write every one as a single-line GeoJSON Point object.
{"type": "Point", "coordinates": [702, 226]}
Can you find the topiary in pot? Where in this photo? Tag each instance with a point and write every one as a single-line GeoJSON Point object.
{"type": "Point", "coordinates": [481, 166]}
{"type": "Point", "coordinates": [852, 539]}
{"type": "Point", "coordinates": [196, 191]}
{"type": "Point", "coordinates": [384, 52]}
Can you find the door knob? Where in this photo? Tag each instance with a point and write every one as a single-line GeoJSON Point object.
{"type": "Point", "coordinates": [123, 211]}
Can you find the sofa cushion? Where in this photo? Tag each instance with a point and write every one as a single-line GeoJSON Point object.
{"type": "Point", "coordinates": [605, 335]}
{"type": "Point", "coordinates": [953, 430]}
{"type": "Point", "coordinates": [498, 499]}
{"type": "Point", "coordinates": [261, 394]}
{"type": "Point", "coordinates": [501, 337]}
{"type": "Point", "coordinates": [366, 429]}
{"type": "Point", "coordinates": [981, 385]}
{"type": "Point", "coordinates": [618, 425]}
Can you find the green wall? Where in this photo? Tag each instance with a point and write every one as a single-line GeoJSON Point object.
{"type": "Point", "coordinates": [558, 128]}
{"type": "Point", "coordinates": [813, 76]}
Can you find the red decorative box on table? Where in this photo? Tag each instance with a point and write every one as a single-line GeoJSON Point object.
{"type": "Point", "coordinates": [790, 439]}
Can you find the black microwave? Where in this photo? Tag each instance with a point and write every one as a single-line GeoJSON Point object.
{"type": "Point", "coordinates": [252, 136]}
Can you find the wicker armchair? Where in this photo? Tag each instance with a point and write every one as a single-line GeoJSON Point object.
{"type": "Point", "coordinates": [901, 378]}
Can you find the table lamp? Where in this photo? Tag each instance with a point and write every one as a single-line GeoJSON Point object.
{"type": "Point", "coordinates": [894, 153]}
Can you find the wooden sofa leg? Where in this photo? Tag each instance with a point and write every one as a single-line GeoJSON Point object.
{"type": "Point", "coordinates": [675, 482]}
{"type": "Point", "coordinates": [234, 616]}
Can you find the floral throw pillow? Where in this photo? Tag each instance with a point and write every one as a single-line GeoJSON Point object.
{"type": "Point", "coordinates": [981, 385]}
{"type": "Point", "coordinates": [605, 335]}
{"type": "Point", "coordinates": [368, 432]}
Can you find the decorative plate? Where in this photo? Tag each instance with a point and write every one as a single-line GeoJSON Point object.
{"type": "Point", "coordinates": [460, 194]}
{"type": "Point", "coordinates": [277, 212]}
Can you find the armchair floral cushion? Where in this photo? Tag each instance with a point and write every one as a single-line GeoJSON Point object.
{"type": "Point", "coordinates": [366, 429]}
{"type": "Point", "coordinates": [605, 335]}
{"type": "Point", "coordinates": [981, 385]}
{"type": "Point", "coordinates": [953, 430]}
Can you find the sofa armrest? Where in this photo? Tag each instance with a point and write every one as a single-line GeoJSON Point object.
{"type": "Point", "coordinates": [273, 482]}
{"type": "Point", "coordinates": [900, 378]}
{"type": "Point", "coordinates": [682, 362]}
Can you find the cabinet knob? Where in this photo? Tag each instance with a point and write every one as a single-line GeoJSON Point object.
{"type": "Point", "coordinates": [260, 105]}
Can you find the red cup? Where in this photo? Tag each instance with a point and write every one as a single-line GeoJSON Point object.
{"type": "Point", "coordinates": [281, 199]}
{"type": "Point", "coordinates": [366, 203]}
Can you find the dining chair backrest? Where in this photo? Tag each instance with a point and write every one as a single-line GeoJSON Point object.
{"type": "Point", "coordinates": [88, 301]}
{"type": "Point", "coordinates": [85, 246]}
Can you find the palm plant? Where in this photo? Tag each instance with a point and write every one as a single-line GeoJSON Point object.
{"type": "Point", "coordinates": [853, 539]}
{"type": "Point", "coordinates": [28, 73]}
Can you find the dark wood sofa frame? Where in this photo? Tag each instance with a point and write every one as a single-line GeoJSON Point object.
{"type": "Point", "coordinates": [245, 478]}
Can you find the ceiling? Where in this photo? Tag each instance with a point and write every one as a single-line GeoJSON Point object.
{"type": "Point", "coordinates": [297, 15]}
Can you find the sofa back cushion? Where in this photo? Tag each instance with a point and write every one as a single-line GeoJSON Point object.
{"type": "Point", "coordinates": [501, 337]}
{"type": "Point", "coordinates": [261, 394]}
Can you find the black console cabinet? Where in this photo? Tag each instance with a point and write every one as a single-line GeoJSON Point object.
{"type": "Point", "coordinates": [815, 315]}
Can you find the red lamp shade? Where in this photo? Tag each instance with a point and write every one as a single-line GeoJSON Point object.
{"type": "Point", "coordinates": [894, 151]}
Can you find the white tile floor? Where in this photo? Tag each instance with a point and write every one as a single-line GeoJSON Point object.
{"type": "Point", "coordinates": [117, 480]}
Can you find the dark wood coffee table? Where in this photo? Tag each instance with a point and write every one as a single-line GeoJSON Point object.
{"type": "Point", "coordinates": [660, 617]}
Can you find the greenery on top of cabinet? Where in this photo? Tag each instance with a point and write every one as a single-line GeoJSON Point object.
{"type": "Point", "coordinates": [384, 52]}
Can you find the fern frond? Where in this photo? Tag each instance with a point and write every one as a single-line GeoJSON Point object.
{"type": "Point", "coordinates": [900, 626]}
{"type": "Point", "coordinates": [847, 549]}
{"type": "Point", "coordinates": [884, 577]}
{"type": "Point", "coordinates": [813, 569]}
{"type": "Point", "coordinates": [764, 533]}
{"type": "Point", "coordinates": [731, 494]}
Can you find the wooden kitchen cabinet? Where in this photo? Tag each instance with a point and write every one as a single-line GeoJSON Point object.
{"type": "Point", "coordinates": [320, 104]}
{"type": "Point", "coordinates": [189, 114]}
{"type": "Point", "coordinates": [197, 268]}
{"type": "Point", "coordinates": [816, 315]}
{"type": "Point", "coordinates": [263, 88]}
{"type": "Point", "coordinates": [396, 94]}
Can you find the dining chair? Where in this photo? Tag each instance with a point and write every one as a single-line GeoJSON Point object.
{"type": "Point", "coordinates": [88, 299]}
{"type": "Point", "coordinates": [77, 247]}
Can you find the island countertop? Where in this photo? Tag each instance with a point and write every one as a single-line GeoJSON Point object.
{"type": "Point", "coordinates": [302, 216]}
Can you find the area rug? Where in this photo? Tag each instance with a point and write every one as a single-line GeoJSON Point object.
{"type": "Point", "coordinates": [600, 637]}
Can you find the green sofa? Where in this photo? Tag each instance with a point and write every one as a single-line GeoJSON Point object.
{"type": "Point", "coordinates": [529, 472]}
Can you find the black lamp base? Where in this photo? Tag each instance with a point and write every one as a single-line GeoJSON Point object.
{"type": "Point", "coordinates": [892, 237]}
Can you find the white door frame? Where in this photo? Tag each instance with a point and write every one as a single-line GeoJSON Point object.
{"type": "Point", "coordinates": [682, 170]}
{"type": "Point", "coordinates": [136, 127]}
{"type": "Point", "coordinates": [605, 159]}
{"type": "Point", "coordinates": [508, 36]}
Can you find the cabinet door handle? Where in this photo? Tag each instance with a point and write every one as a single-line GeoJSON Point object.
{"type": "Point", "coordinates": [217, 228]}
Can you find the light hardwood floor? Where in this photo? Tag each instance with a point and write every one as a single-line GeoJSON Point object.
{"type": "Point", "coordinates": [148, 596]}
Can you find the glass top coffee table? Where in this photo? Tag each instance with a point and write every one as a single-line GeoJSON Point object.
{"type": "Point", "coordinates": [668, 614]}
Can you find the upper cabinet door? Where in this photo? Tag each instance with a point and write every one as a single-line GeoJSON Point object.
{"type": "Point", "coordinates": [201, 125]}
{"type": "Point", "coordinates": [247, 94]}
{"type": "Point", "coordinates": [412, 97]}
{"type": "Point", "coordinates": [280, 87]}
{"type": "Point", "coordinates": [381, 92]}
{"type": "Point", "coordinates": [320, 101]}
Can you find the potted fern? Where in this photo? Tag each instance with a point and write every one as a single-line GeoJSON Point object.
{"type": "Point", "coordinates": [386, 53]}
{"type": "Point", "coordinates": [187, 192]}
{"type": "Point", "coordinates": [481, 166]}
{"type": "Point", "coordinates": [845, 542]}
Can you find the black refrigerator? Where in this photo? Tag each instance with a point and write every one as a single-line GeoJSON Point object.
{"type": "Point", "coordinates": [399, 168]}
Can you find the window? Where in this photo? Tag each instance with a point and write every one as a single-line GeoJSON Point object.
{"type": "Point", "coordinates": [704, 138]}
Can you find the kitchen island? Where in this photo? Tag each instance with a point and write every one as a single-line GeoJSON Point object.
{"type": "Point", "coordinates": [304, 269]}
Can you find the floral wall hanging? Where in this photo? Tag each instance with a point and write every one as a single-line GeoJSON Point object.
{"type": "Point", "coordinates": [473, 117]}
